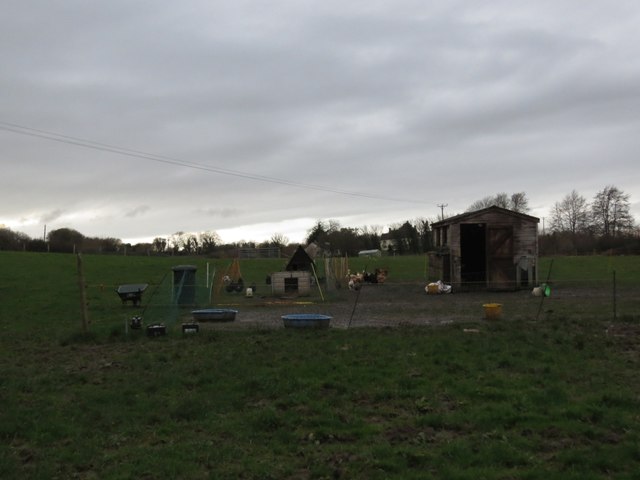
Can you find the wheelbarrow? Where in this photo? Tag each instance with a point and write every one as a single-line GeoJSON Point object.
{"type": "Point", "coordinates": [132, 292]}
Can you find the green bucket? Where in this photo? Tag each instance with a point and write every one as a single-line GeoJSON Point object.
{"type": "Point", "coordinates": [546, 290]}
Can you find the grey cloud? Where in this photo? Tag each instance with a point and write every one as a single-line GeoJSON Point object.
{"type": "Point", "coordinates": [419, 100]}
{"type": "Point", "coordinates": [222, 212]}
{"type": "Point", "coordinates": [137, 211]}
{"type": "Point", "coordinates": [52, 216]}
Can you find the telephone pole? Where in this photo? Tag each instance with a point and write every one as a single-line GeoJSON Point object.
{"type": "Point", "coordinates": [442, 205]}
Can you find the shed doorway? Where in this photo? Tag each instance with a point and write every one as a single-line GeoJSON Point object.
{"type": "Point", "coordinates": [473, 252]}
{"type": "Point", "coordinates": [291, 285]}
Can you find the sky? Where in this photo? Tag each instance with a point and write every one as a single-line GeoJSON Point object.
{"type": "Point", "coordinates": [139, 119]}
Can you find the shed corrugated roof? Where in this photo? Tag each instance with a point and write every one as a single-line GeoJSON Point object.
{"type": "Point", "coordinates": [493, 208]}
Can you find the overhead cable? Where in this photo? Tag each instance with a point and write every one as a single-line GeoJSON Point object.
{"type": "Point", "coordinates": [81, 142]}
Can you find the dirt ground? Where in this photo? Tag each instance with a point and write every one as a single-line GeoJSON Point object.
{"type": "Point", "coordinates": [380, 306]}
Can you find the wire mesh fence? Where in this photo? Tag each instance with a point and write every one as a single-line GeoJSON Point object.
{"type": "Point", "coordinates": [41, 293]}
{"type": "Point", "coordinates": [396, 303]}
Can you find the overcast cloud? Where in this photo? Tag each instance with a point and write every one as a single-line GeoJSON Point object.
{"type": "Point", "coordinates": [252, 118]}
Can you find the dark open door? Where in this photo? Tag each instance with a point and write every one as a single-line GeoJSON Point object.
{"type": "Point", "coordinates": [290, 285]}
{"type": "Point", "coordinates": [501, 270]}
{"type": "Point", "coordinates": [473, 253]}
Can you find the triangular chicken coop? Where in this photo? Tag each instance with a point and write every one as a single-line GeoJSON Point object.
{"type": "Point", "coordinates": [297, 277]}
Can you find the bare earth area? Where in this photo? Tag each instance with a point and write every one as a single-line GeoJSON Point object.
{"type": "Point", "coordinates": [383, 306]}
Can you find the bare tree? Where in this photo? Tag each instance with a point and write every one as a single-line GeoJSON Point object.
{"type": "Point", "coordinates": [321, 231]}
{"type": "Point", "coordinates": [375, 230]}
{"type": "Point", "coordinates": [176, 241]}
{"type": "Point", "coordinates": [370, 236]}
{"type": "Point", "coordinates": [159, 244]}
{"type": "Point", "coordinates": [279, 240]}
{"type": "Point", "coordinates": [610, 212]}
{"type": "Point", "coordinates": [334, 226]}
{"type": "Point", "coordinates": [518, 202]}
{"type": "Point", "coordinates": [502, 200]}
{"type": "Point", "coordinates": [208, 241]}
{"type": "Point", "coordinates": [571, 214]}
{"type": "Point", "coordinates": [190, 244]}
{"type": "Point", "coordinates": [482, 203]}
{"type": "Point", "coordinates": [423, 226]}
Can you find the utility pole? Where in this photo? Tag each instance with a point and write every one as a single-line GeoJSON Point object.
{"type": "Point", "coordinates": [442, 205]}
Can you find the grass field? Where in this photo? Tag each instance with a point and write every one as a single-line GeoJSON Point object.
{"type": "Point", "coordinates": [554, 398]}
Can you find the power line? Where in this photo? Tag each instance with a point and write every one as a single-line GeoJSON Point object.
{"type": "Point", "coordinates": [80, 142]}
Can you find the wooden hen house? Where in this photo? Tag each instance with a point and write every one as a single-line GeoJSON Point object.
{"type": "Point", "coordinates": [492, 248]}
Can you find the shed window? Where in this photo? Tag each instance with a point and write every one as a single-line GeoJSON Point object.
{"type": "Point", "coordinates": [445, 235]}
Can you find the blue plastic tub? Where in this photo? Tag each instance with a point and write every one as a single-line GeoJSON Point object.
{"type": "Point", "coordinates": [214, 315]}
{"type": "Point", "coordinates": [306, 320]}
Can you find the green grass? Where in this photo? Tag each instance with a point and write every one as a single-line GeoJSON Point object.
{"type": "Point", "coordinates": [557, 398]}
{"type": "Point", "coordinates": [581, 270]}
{"type": "Point", "coordinates": [511, 401]}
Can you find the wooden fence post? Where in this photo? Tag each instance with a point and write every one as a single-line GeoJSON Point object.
{"type": "Point", "coordinates": [615, 305]}
{"type": "Point", "coordinates": [83, 295]}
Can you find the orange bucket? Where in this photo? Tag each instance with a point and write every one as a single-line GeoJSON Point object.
{"type": "Point", "coordinates": [492, 311]}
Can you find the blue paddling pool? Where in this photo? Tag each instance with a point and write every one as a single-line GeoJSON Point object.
{"type": "Point", "coordinates": [306, 320]}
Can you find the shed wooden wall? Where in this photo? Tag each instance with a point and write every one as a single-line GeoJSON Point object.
{"type": "Point", "coordinates": [525, 232]}
{"type": "Point", "coordinates": [525, 244]}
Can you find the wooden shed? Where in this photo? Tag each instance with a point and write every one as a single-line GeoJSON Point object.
{"type": "Point", "coordinates": [491, 248]}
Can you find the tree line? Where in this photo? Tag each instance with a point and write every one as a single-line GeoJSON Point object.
{"type": "Point", "coordinates": [329, 236]}
{"type": "Point", "coordinates": [576, 226]}
{"type": "Point", "coordinates": [605, 224]}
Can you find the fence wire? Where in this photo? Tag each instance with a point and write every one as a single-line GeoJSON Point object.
{"type": "Point", "coordinates": [397, 304]}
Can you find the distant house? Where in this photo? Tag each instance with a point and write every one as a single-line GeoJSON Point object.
{"type": "Point", "coordinates": [403, 239]}
{"type": "Point", "coordinates": [387, 242]}
{"type": "Point", "coordinates": [492, 248]}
